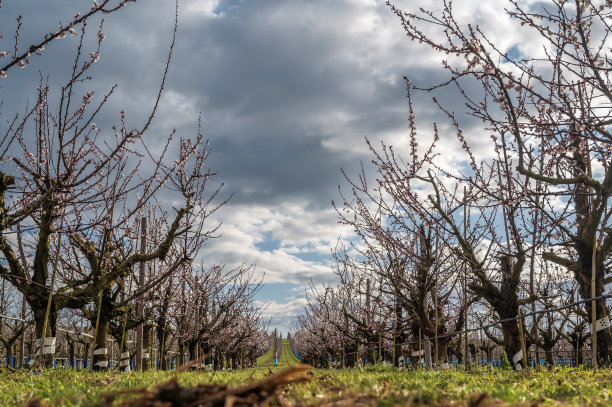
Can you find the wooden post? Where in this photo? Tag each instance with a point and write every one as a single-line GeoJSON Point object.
{"type": "Point", "coordinates": [427, 356]}
{"type": "Point", "coordinates": [2, 311]}
{"type": "Point", "coordinates": [420, 348]}
{"type": "Point", "coordinates": [531, 275]}
{"type": "Point", "coordinates": [48, 311]}
{"type": "Point", "coordinates": [394, 338]}
{"type": "Point", "coordinates": [436, 356]}
{"type": "Point", "coordinates": [141, 283]}
{"type": "Point", "coordinates": [151, 360]}
{"type": "Point", "coordinates": [465, 310]}
{"type": "Point", "coordinates": [95, 335]}
{"type": "Point", "coordinates": [181, 342]}
{"type": "Point", "coordinates": [521, 333]}
{"type": "Point", "coordinates": [578, 349]}
{"type": "Point", "coordinates": [26, 270]}
{"type": "Point", "coordinates": [23, 334]}
{"type": "Point", "coordinates": [594, 303]}
{"type": "Point", "coordinates": [152, 347]}
{"type": "Point", "coordinates": [122, 344]}
{"type": "Point", "coordinates": [369, 319]}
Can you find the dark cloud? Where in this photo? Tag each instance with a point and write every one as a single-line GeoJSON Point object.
{"type": "Point", "coordinates": [271, 168]}
{"type": "Point", "coordinates": [274, 80]}
{"type": "Point", "coordinates": [288, 90]}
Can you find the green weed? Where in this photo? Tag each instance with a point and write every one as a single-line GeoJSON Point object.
{"type": "Point", "coordinates": [371, 385]}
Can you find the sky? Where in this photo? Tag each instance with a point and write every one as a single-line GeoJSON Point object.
{"type": "Point", "coordinates": [288, 91]}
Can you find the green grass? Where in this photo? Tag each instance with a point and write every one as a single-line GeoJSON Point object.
{"type": "Point", "coordinates": [83, 388]}
{"type": "Point", "coordinates": [388, 386]}
{"type": "Point", "coordinates": [267, 360]}
{"type": "Point", "coordinates": [380, 385]}
{"type": "Point", "coordinates": [286, 359]}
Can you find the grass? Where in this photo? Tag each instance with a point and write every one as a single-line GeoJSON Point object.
{"type": "Point", "coordinates": [380, 385]}
{"type": "Point", "coordinates": [267, 360]}
{"type": "Point", "coordinates": [375, 385]}
{"type": "Point", "coordinates": [286, 359]}
{"type": "Point", "coordinates": [84, 388]}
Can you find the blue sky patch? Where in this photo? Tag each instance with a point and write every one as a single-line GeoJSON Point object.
{"type": "Point", "coordinates": [269, 244]}
{"type": "Point", "coordinates": [313, 256]}
{"type": "Point", "coordinates": [280, 292]}
{"type": "Point", "coordinates": [227, 5]}
{"type": "Point", "coordinates": [514, 54]}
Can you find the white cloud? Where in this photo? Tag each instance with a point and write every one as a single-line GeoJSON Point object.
{"type": "Point", "coordinates": [247, 229]}
{"type": "Point", "coordinates": [196, 9]}
{"type": "Point", "coordinates": [282, 314]}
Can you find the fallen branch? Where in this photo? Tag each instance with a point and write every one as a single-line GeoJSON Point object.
{"type": "Point", "coordinates": [171, 394]}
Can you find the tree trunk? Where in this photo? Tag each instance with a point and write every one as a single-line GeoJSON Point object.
{"type": "Point", "coordinates": [505, 303]}
{"type": "Point", "coordinates": [181, 352]}
{"type": "Point", "coordinates": [163, 356]}
{"type": "Point", "coordinates": [549, 355]}
{"type": "Point", "coordinates": [511, 339]}
{"type": "Point", "coordinates": [71, 353]}
{"type": "Point", "coordinates": [86, 354]}
{"type": "Point", "coordinates": [146, 346]}
{"type": "Point", "coordinates": [191, 346]}
{"type": "Point", "coordinates": [39, 321]}
{"type": "Point", "coordinates": [442, 352]}
{"type": "Point", "coordinates": [351, 356]}
{"type": "Point", "coordinates": [100, 359]}
{"type": "Point", "coordinates": [604, 337]}
{"type": "Point", "coordinates": [217, 361]}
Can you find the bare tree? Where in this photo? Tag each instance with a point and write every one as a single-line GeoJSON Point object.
{"type": "Point", "coordinates": [66, 169]}
{"type": "Point", "coordinates": [550, 109]}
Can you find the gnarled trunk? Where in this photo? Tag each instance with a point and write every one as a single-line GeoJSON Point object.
{"type": "Point", "coordinates": [100, 357]}
{"type": "Point", "coordinates": [48, 352]}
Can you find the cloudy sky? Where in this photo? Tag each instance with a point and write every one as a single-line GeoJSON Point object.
{"type": "Point", "coordinates": [288, 90]}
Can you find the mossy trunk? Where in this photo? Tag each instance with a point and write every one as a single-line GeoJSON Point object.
{"type": "Point", "coordinates": [39, 312]}
{"type": "Point", "coordinates": [181, 352]}
{"type": "Point", "coordinates": [352, 356]}
{"type": "Point", "coordinates": [548, 351]}
{"type": "Point", "coordinates": [504, 301]}
{"type": "Point", "coordinates": [147, 357]}
{"type": "Point", "coordinates": [100, 358]}
{"type": "Point", "coordinates": [217, 361]}
{"type": "Point", "coordinates": [442, 352]}
{"type": "Point", "coordinates": [191, 346]}
{"type": "Point", "coordinates": [71, 353]}
{"type": "Point", "coordinates": [511, 340]}
{"type": "Point", "coordinates": [583, 276]}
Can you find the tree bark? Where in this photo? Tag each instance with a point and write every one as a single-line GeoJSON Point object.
{"type": "Point", "coordinates": [39, 311]}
